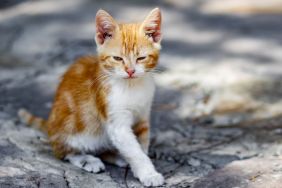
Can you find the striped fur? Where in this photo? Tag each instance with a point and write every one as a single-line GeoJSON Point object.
{"type": "Point", "coordinates": [29, 119]}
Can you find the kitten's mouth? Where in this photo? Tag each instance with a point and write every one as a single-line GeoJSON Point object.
{"type": "Point", "coordinates": [130, 77]}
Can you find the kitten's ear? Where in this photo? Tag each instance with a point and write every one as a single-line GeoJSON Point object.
{"type": "Point", "coordinates": [105, 26]}
{"type": "Point", "coordinates": [152, 25]}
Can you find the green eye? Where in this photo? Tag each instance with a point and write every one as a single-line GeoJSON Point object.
{"type": "Point", "coordinates": [141, 58]}
{"type": "Point", "coordinates": [117, 58]}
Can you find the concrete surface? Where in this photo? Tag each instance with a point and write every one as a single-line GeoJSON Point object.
{"type": "Point", "coordinates": [217, 112]}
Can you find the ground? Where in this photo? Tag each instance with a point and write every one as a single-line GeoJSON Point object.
{"type": "Point", "coordinates": [217, 114]}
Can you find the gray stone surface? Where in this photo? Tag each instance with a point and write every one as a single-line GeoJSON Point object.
{"type": "Point", "coordinates": [255, 172]}
{"type": "Point", "coordinates": [217, 113]}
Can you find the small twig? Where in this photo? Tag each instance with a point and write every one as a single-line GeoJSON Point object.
{"type": "Point", "coordinates": [254, 177]}
{"type": "Point", "coordinates": [125, 176]}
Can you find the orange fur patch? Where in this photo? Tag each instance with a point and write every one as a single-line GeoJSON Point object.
{"type": "Point", "coordinates": [140, 128]}
{"type": "Point", "coordinates": [67, 115]}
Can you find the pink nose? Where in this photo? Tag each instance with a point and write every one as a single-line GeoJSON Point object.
{"type": "Point", "coordinates": [130, 72]}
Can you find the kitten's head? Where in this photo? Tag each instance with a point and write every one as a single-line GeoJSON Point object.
{"type": "Point", "coordinates": [128, 50]}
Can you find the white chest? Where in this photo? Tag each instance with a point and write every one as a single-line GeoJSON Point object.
{"type": "Point", "coordinates": [135, 97]}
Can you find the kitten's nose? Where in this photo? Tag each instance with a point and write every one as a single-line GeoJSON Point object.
{"type": "Point", "coordinates": [130, 72]}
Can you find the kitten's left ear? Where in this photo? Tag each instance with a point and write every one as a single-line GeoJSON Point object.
{"type": "Point", "coordinates": [152, 25]}
{"type": "Point", "coordinates": [105, 26]}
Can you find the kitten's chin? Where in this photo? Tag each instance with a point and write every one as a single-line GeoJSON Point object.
{"type": "Point", "coordinates": [131, 78]}
{"type": "Point", "coordinates": [140, 76]}
{"type": "Point", "coordinates": [134, 77]}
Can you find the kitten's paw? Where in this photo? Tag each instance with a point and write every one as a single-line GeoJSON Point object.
{"type": "Point", "coordinates": [94, 166]}
{"type": "Point", "coordinates": [87, 162]}
{"type": "Point", "coordinates": [152, 179]}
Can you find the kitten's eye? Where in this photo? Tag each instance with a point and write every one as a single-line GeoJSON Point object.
{"type": "Point", "coordinates": [117, 58]}
{"type": "Point", "coordinates": [149, 34]}
{"type": "Point", "coordinates": [141, 58]}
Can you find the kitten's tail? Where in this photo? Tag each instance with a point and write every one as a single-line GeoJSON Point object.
{"type": "Point", "coordinates": [29, 119]}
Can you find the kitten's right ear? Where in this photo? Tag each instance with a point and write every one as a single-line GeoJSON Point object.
{"type": "Point", "coordinates": [105, 26]}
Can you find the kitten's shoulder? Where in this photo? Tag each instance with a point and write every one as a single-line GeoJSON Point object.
{"type": "Point", "coordinates": [84, 65]}
{"type": "Point", "coordinates": [88, 60]}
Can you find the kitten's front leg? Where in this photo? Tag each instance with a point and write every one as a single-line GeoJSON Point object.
{"type": "Point", "coordinates": [120, 133]}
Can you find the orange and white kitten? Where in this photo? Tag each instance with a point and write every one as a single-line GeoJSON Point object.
{"type": "Point", "coordinates": [102, 105]}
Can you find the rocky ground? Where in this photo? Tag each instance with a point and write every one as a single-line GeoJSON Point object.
{"type": "Point", "coordinates": [217, 115]}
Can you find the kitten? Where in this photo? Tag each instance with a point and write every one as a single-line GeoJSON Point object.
{"type": "Point", "coordinates": [102, 106]}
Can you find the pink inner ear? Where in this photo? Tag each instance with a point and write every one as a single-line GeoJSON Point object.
{"type": "Point", "coordinates": [102, 36]}
{"type": "Point", "coordinates": [152, 25]}
{"type": "Point", "coordinates": [104, 32]}
{"type": "Point", "coordinates": [153, 32]}
{"type": "Point", "coordinates": [105, 27]}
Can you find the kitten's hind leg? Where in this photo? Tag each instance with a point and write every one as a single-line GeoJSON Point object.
{"type": "Point", "coordinates": [86, 162]}
{"type": "Point", "coordinates": [112, 157]}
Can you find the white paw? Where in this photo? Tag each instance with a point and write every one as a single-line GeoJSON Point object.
{"type": "Point", "coordinates": [152, 179]}
{"type": "Point", "coordinates": [87, 162]}
{"type": "Point", "coordinates": [93, 166]}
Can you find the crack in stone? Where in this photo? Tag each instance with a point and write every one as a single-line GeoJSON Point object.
{"type": "Point", "coordinates": [172, 172]}
{"type": "Point", "coordinates": [206, 162]}
{"type": "Point", "coordinates": [113, 178]}
{"type": "Point", "coordinates": [182, 184]}
{"type": "Point", "coordinates": [38, 183]}
{"type": "Point", "coordinates": [181, 158]}
{"type": "Point", "coordinates": [66, 179]}
{"type": "Point", "coordinates": [232, 139]}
